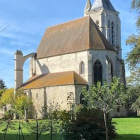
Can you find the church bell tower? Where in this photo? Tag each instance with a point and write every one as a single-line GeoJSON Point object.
{"type": "Point", "coordinates": [107, 19]}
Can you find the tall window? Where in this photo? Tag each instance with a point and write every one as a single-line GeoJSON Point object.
{"type": "Point", "coordinates": [112, 30]}
{"type": "Point", "coordinates": [82, 68]}
{"type": "Point", "coordinates": [109, 31]}
{"type": "Point", "coordinates": [97, 72]}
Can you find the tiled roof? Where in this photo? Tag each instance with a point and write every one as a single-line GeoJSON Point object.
{"type": "Point", "coordinates": [54, 79]}
{"type": "Point", "coordinates": [74, 36]}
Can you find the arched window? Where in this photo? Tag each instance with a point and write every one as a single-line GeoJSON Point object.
{"type": "Point", "coordinates": [97, 72]}
{"type": "Point", "coordinates": [82, 68]}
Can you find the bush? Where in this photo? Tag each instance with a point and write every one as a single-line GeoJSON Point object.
{"type": "Point", "coordinates": [89, 124]}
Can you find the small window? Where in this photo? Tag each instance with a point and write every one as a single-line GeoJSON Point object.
{"type": "Point", "coordinates": [36, 95]}
{"type": "Point", "coordinates": [118, 109]}
{"type": "Point", "coordinates": [97, 23]}
{"type": "Point", "coordinates": [82, 68]}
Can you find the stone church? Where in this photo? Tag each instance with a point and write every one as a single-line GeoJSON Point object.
{"type": "Point", "coordinates": [72, 55]}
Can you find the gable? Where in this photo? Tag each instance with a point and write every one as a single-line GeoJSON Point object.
{"type": "Point", "coordinates": [74, 36]}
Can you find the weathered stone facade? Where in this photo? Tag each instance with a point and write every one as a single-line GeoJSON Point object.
{"type": "Point", "coordinates": [52, 98]}
{"type": "Point", "coordinates": [68, 53]}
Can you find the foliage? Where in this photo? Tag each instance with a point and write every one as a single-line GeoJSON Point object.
{"type": "Point", "coordinates": [133, 89]}
{"type": "Point", "coordinates": [134, 78]}
{"type": "Point", "coordinates": [89, 125]}
{"type": "Point", "coordinates": [135, 5]}
{"type": "Point", "coordinates": [2, 84]}
{"type": "Point", "coordinates": [7, 97]}
{"type": "Point", "coordinates": [1, 92]}
{"type": "Point", "coordinates": [60, 114]}
{"type": "Point", "coordinates": [133, 57]}
{"type": "Point", "coordinates": [18, 103]}
{"type": "Point", "coordinates": [105, 97]}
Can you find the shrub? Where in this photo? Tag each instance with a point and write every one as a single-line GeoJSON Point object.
{"type": "Point", "coordinates": [89, 124]}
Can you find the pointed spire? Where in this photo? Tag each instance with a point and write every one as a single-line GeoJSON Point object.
{"type": "Point", "coordinates": [88, 6]}
{"type": "Point", "coordinates": [103, 4]}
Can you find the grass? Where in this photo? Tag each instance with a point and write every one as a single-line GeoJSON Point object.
{"type": "Point", "coordinates": [127, 128]}
{"type": "Point", "coordinates": [14, 134]}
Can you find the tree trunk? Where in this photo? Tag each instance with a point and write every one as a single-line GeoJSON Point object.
{"type": "Point", "coordinates": [106, 128]}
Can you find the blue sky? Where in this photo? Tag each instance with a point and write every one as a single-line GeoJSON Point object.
{"type": "Point", "coordinates": [25, 22]}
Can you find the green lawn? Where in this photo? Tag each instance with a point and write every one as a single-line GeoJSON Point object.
{"type": "Point", "coordinates": [127, 128]}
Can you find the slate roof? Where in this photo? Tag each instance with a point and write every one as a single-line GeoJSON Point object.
{"type": "Point", "coordinates": [74, 36]}
{"type": "Point", "coordinates": [54, 79]}
{"type": "Point", "coordinates": [105, 4]}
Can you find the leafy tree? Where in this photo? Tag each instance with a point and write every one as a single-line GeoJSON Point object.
{"type": "Point", "coordinates": [133, 89]}
{"type": "Point", "coordinates": [7, 97]}
{"type": "Point", "coordinates": [133, 60]}
{"type": "Point", "coordinates": [133, 57]}
{"type": "Point", "coordinates": [134, 78]}
{"type": "Point", "coordinates": [18, 102]}
{"type": "Point", "coordinates": [1, 92]}
{"type": "Point", "coordinates": [135, 5]}
{"type": "Point", "coordinates": [105, 97]}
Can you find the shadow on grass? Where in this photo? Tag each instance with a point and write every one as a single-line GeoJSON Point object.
{"type": "Point", "coordinates": [30, 137]}
{"type": "Point", "coordinates": [128, 137]}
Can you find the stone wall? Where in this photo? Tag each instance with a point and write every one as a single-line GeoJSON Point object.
{"type": "Point", "coordinates": [71, 62]}
{"type": "Point", "coordinates": [62, 63]}
{"type": "Point", "coordinates": [52, 97]}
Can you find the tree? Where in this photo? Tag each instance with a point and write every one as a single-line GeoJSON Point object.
{"type": "Point", "coordinates": [2, 84]}
{"type": "Point", "coordinates": [135, 5]}
{"type": "Point", "coordinates": [133, 57]}
{"type": "Point", "coordinates": [18, 102]}
{"type": "Point", "coordinates": [7, 97]}
{"type": "Point", "coordinates": [105, 97]}
{"type": "Point", "coordinates": [133, 89]}
{"type": "Point", "coordinates": [134, 78]}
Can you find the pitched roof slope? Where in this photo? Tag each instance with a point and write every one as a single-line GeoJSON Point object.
{"type": "Point", "coordinates": [74, 36]}
{"type": "Point", "coordinates": [105, 4]}
{"type": "Point", "coordinates": [54, 79]}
